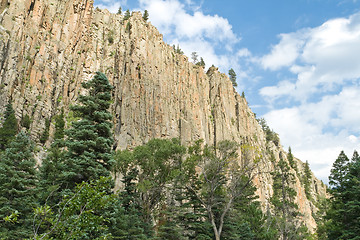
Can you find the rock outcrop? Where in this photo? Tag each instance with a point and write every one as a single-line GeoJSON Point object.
{"type": "Point", "coordinates": [48, 47]}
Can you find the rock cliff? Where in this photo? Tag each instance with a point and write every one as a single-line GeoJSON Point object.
{"type": "Point", "coordinates": [48, 47]}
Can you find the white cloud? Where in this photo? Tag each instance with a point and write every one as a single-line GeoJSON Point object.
{"type": "Point", "coordinates": [285, 53]}
{"type": "Point", "coordinates": [185, 24]}
{"type": "Point", "coordinates": [323, 58]}
{"type": "Point", "coordinates": [325, 64]}
{"type": "Point", "coordinates": [111, 5]}
{"type": "Point", "coordinates": [318, 131]}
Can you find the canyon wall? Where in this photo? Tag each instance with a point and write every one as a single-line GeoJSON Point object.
{"type": "Point", "coordinates": [49, 47]}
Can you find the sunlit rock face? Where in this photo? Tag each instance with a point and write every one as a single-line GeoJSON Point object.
{"type": "Point", "coordinates": [49, 47]}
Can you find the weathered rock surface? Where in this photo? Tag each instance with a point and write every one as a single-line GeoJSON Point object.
{"type": "Point", "coordinates": [48, 47]}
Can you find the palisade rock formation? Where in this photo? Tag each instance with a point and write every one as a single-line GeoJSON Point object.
{"type": "Point", "coordinates": [48, 47]}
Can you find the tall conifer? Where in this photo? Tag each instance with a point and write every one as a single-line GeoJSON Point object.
{"type": "Point", "coordinates": [18, 181]}
{"type": "Point", "coordinates": [89, 140]}
{"type": "Point", "coordinates": [9, 127]}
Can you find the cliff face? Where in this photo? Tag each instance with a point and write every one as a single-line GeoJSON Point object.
{"type": "Point", "coordinates": [48, 47]}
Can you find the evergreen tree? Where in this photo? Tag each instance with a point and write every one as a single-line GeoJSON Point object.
{"type": "Point", "coordinates": [201, 63]}
{"type": "Point", "coordinates": [127, 15]}
{"type": "Point", "coordinates": [119, 10]}
{"type": "Point", "coordinates": [18, 181]}
{"type": "Point", "coordinates": [53, 165]}
{"type": "Point", "coordinates": [26, 122]}
{"type": "Point", "coordinates": [194, 57]}
{"type": "Point", "coordinates": [344, 212]}
{"type": "Point", "coordinates": [45, 136]}
{"type": "Point", "coordinates": [338, 173]}
{"type": "Point", "coordinates": [9, 127]}
{"type": "Point", "coordinates": [232, 76]}
{"type": "Point", "coordinates": [291, 160]}
{"type": "Point", "coordinates": [285, 209]}
{"type": "Point", "coordinates": [307, 179]}
{"type": "Point", "coordinates": [89, 140]}
{"type": "Point", "coordinates": [146, 15]}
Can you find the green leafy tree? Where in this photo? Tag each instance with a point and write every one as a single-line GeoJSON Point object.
{"type": "Point", "coordinates": [232, 76]}
{"type": "Point", "coordinates": [146, 15]}
{"type": "Point", "coordinates": [119, 10]}
{"type": "Point", "coordinates": [222, 180]}
{"type": "Point", "coordinates": [80, 214]}
{"type": "Point", "coordinates": [9, 127]}
{"type": "Point", "coordinates": [132, 223]}
{"type": "Point", "coordinates": [156, 160]}
{"type": "Point", "coordinates": [89, 140]}
{"type": "Point", "coordinates": [18, 182]}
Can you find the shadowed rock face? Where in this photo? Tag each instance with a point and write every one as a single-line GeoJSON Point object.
{"type": "Point", "coordinates": [48, 47]}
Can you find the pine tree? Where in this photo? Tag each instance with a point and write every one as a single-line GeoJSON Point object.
{"type": "Point", "coordinates": [127, 15]}
{"type": "Point", "coordinates": [53, 165]}
{"type": "Point", "coordinates": [291, 160]}
{"type": "Point", "coordinates": [338, 172]}
{"type": "Point", "coordinates": [194, 57]}
{"type": "Point", "coordinates": [285, 209]}
{"type": "Point", "coordinates": [345, 204]}
{"type": "Point", "coordinates": [9, 127]}
{"type": "Point", "coordinates": [89, 140]}
{"type": "Point", "coordinates": [307, 179]}
{"type": "Point", "coordinates": [18, 181]}
{"type": "Point", "coordinates": [146, 15]}
{"type": "Point", "coordinates": [232, 76]}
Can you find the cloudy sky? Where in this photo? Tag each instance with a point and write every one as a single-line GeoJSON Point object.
{"type": "Point", "coordinates": [298, 63]}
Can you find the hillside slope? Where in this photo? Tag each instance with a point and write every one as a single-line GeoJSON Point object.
{"type": "Point", "coordinates": [48, 47]}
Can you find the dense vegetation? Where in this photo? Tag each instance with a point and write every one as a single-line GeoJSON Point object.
{"type": "Point", "coordinates": [169, 191]}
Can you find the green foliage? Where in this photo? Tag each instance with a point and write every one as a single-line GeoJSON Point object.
{"type": "Point", "coordinates": [307, 178]}
{"type": "Point", "coordinates": [146, 15]}
{"type": "Point", "coordinates": [194, 57]}
{"type": "Point", "coordinates": [89, 140]}
{"type": "Point", "coordinates": [9, 127]}
{"type": "Point", "coordinates": [127, 15]}
{"type": "Point", "coordinates": [156, 161]}
{"type": "Point", "coordinates": [18, 181]}
{"type": "Point", "coordinates": [26, 122]}
{"type": "Point", "coordinates": [80, 214]}
{"type": "Point", "coordinates": [177, 49]}
{"type": "Point", "coordinates": [285, 209]}
{"type": "Point", "coordinates": [232, 76]}
{"type": "Point", "coordinates": [111, 37]}
{"type": "Point", "coordinates": [291, 160]}
{"type": "Point", "coordinates": [222, 180]}
{"type": "Point", "coordinates": [53, 165]}
{"type": "Point", "coordinates": [59, 126]}
{"type": "Point", "coordinates": [201, 63]}
{"type": "Point", "coordinates": [128, 27]}
{"type": "Point", "coordinates": [126, 219]}
{"type": "Point", "coordinates": [119, 10]}
{"type": "Point", "coordinates": [45, 136]}
{"type": "Point", "coordinates": [344, 211]}
{"type": "Point", "coordinates": [271, 136]}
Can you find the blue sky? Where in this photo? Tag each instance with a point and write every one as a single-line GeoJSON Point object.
{"type": "Point", "coordinates": [298, 63]}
